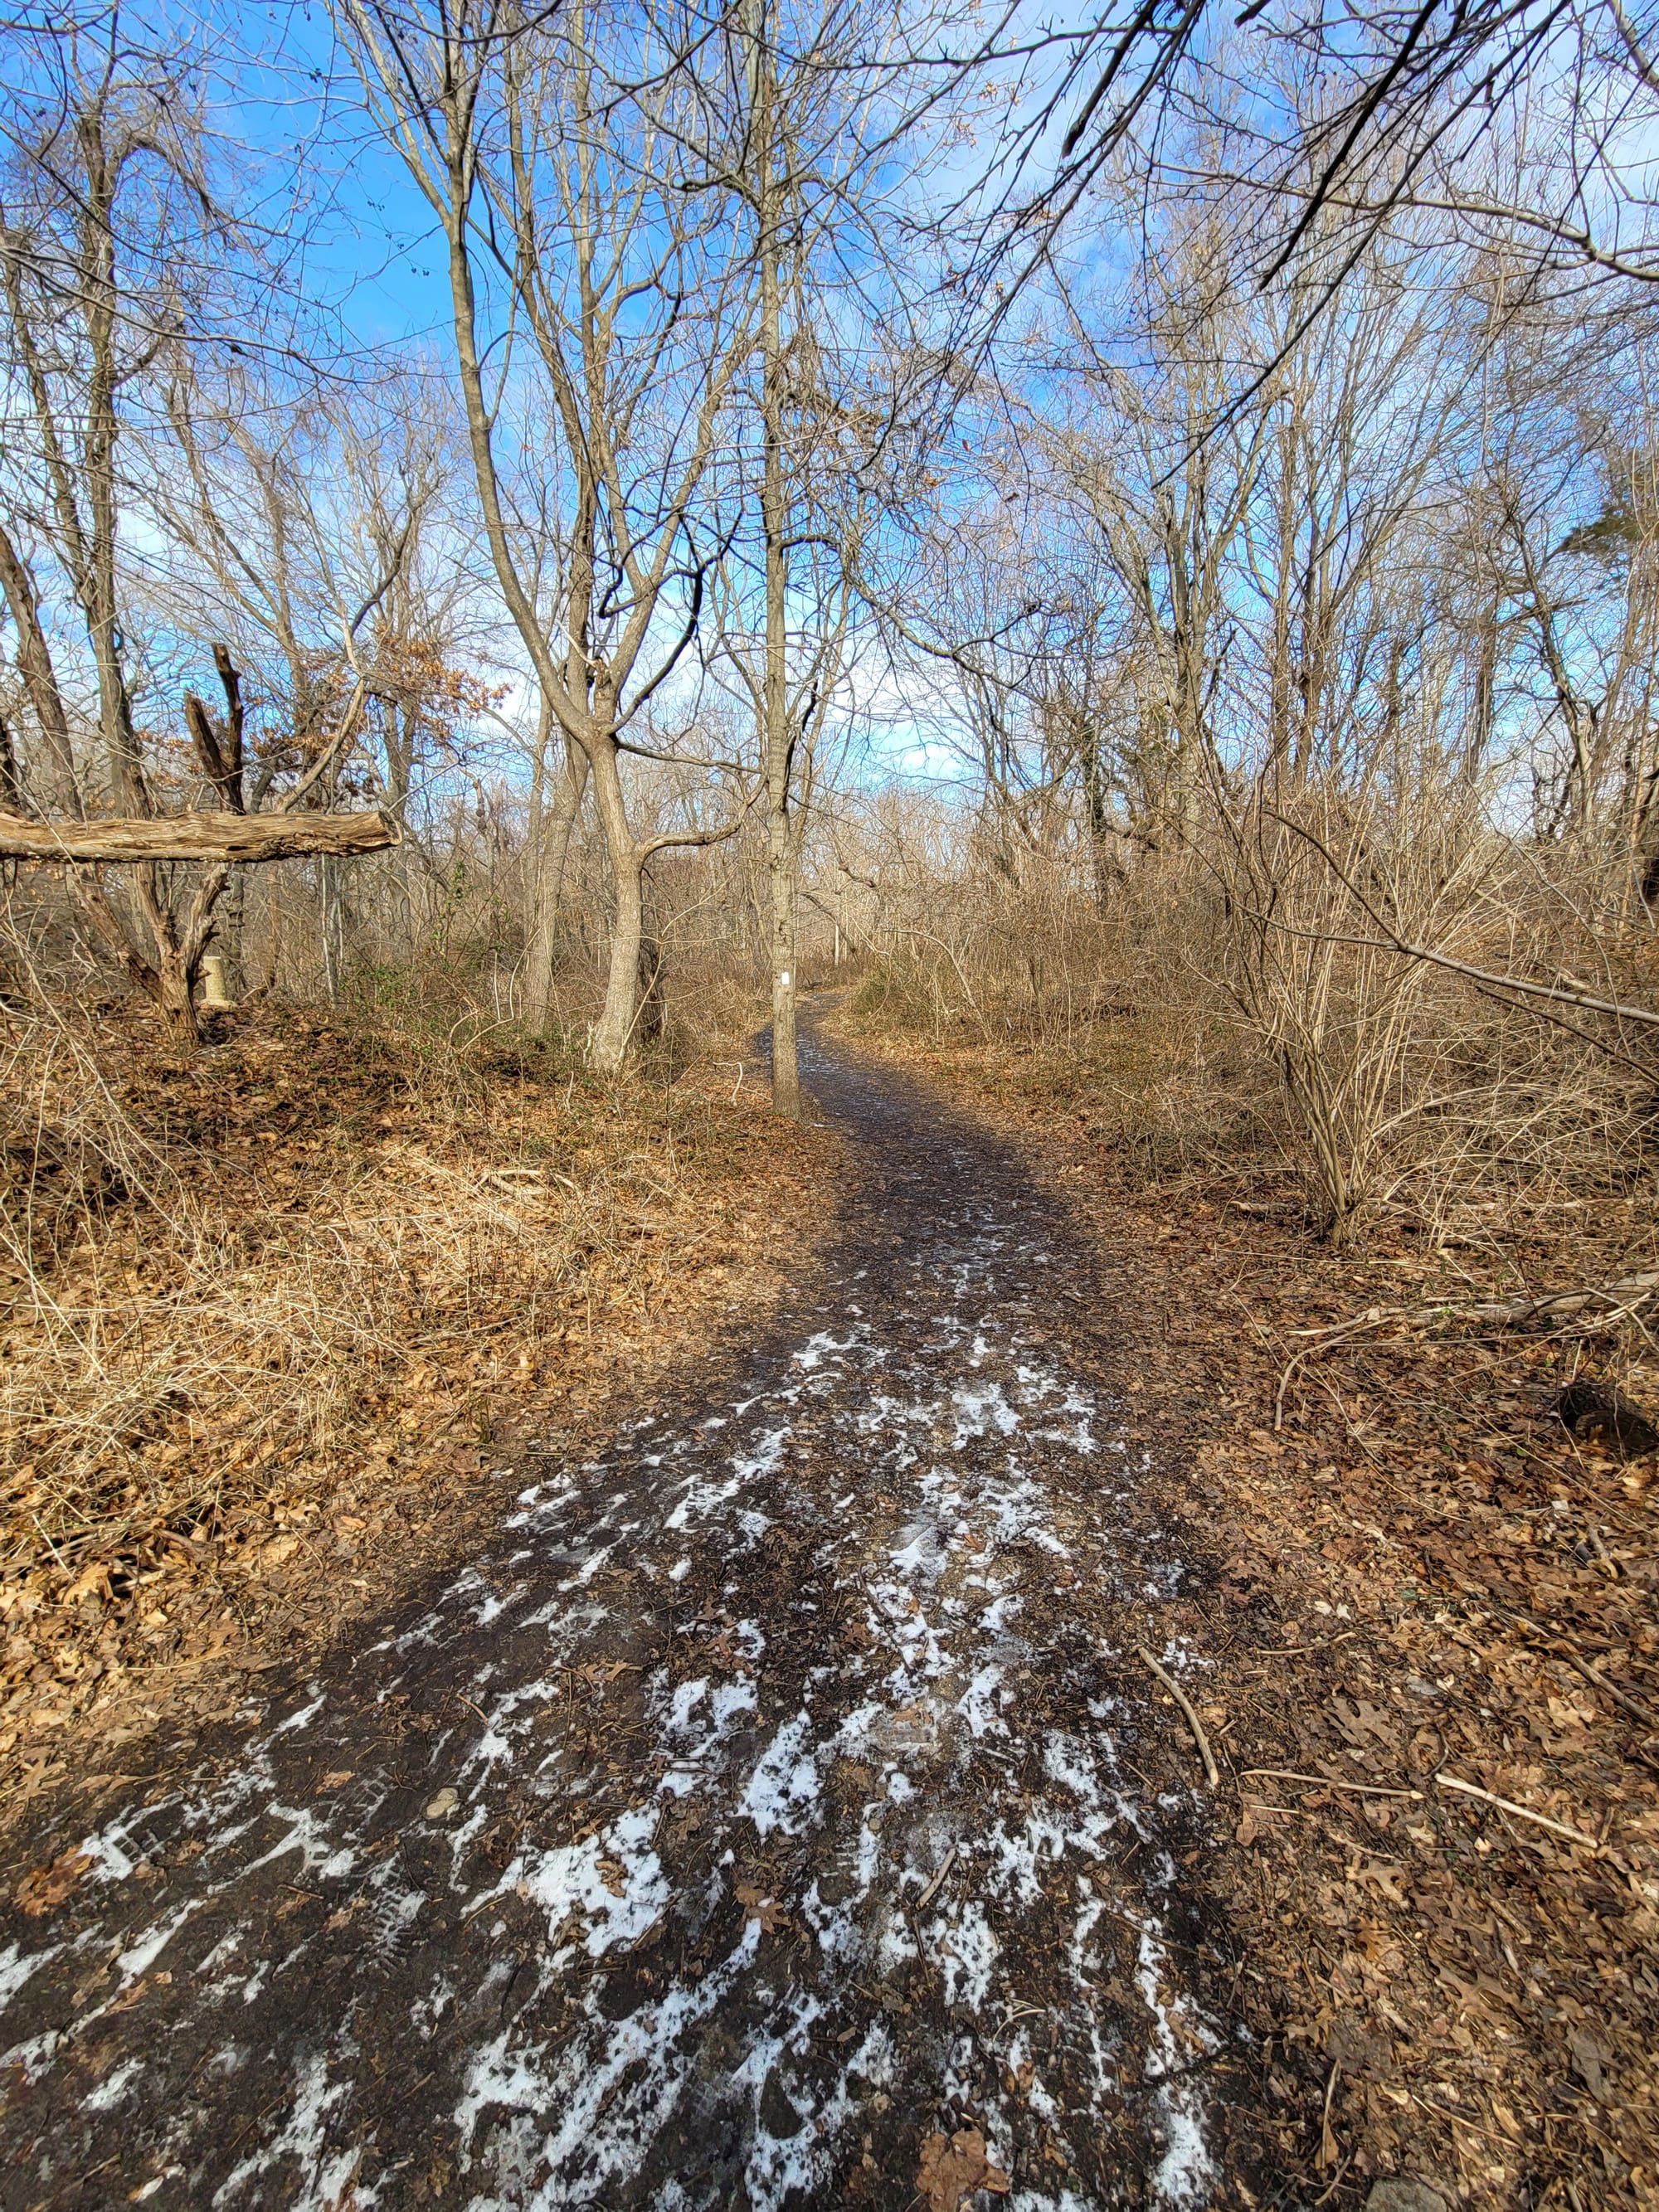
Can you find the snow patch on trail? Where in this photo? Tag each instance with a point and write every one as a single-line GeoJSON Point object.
{"type": "Point", "coordinates": [783, 1789]}
{"type": "Point", "coordinates": [1186, 2170]}
{"type": "Point", "coordinates": [16, 1965]}
{"type": "Point", "coordinates": [613, 1880]}
{"type": "Point", "coordinates": [613, 2088]}
{"type": "Point", "coordinates": [918, 1810]}
{"type": "Point", "coordinates": [323, 2175]}
{"type": "Point", "coordinates": [698, 1723]}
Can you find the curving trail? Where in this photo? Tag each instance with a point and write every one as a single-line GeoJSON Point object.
{"type": "Point", "coordinates": [800, 1850]}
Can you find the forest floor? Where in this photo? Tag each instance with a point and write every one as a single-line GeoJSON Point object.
{"type": "Point", "coordinates": [767, 1797]}
{"type": "Point", "coordinates": [291, 1302]}
{"type": "Point", "coordinates": [1420, 1578]}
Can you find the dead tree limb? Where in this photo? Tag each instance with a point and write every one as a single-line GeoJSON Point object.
{"type": "Point", "coordinates": [212, 837]}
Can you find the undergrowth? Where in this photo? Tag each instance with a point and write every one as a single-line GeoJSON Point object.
{"type": "Point", "coordinates": [252, 1295]}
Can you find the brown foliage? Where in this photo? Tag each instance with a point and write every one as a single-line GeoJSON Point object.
{"type": "Point", "coordinates": [273, 1313]}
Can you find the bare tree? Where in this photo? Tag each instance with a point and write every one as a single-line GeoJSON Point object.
{"type": "Point", "coordinates": [575, 254]}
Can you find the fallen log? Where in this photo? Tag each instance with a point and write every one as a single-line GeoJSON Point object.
{"type": "Point", "coordinates": [222, 837]}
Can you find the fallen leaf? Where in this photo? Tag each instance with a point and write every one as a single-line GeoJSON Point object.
{"type": "Point", "coordinates": [952, 2171]}
{"type": "Point", "coordinates": [1358, 1720]}
{"type": "Point", "coordinates": [91, 1581]}
{"type": "Point", "coordinates": [758, 1905]}
{"type": "Point", "coordinates": [614, 1875]}
{"type": "Point", "coordinates": [338, 1779]}
{"type": "Point", "coordinates": [1587, 2059]}
{"type": "Point", "coordinates": [48, 1885]}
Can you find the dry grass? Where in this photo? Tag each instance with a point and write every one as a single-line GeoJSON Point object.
{"type": "Point", "coordinates": [271, 1311]}
{"type": "Point", "coordinates": [1227, 1009]}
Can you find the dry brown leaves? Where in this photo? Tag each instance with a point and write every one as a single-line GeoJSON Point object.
{"type": "Point", "coordinates": [1407, 1574]}
{"type": "Point", "coordinates": [759, 1904]}
{"type": "Point", "coordinates": [44, 1890]}
{"type": "Point", "coordinates": [952, 2171]}
{"type": "Point", "coordinates": [255, 1390]}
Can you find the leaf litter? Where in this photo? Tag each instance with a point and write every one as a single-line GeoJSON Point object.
{"type": "Point", "coordinates": [273, 1323]}
{"type": "Point", "coordinates": [1429, 1613]}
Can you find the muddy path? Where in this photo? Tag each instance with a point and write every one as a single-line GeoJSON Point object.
{"type": "Point", "coordinates": [776, 1816]}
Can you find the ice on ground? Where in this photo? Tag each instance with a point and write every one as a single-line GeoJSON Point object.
{"type": "Point", "coordinates": [783, 1789]}
{"type": "Point", "coordinates": [614, 1880]}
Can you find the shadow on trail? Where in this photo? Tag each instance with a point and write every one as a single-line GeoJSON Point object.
{"type": "Point", "coordinates": [767, 1800]}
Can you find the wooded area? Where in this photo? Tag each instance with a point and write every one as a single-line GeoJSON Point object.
{"type": "Point", "coordinates": [1114, 561]}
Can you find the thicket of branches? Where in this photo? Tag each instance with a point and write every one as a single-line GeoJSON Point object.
{"type": "Point", "coordinates": [1144, 536]}
{"type": "Point", "coordinates": [1294, 638]}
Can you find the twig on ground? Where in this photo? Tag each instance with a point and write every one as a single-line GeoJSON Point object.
{"type": "Point", "coordinates": [1558, 1643]}
{"type": "Point", "coordinates": [1336, 2181]}
{"type": "Point", "coordinates": [1211, 1770]}
{"type": "Point", "coordinates": [1327, 1337]}
{"type": "Point", "coordinates": [1637, 1712]}
{"type": "Point", "coordinates": [937, 1882]}
{"type": "Point", "coordinates": [1328, 2143]}
{"type": "Point", "coordinates": [1616, 1301]}
{"type": "Point", "coordinates": [1296, 1650]}
{"type": "Point", "coordinates": [1458, 2121]}
{"type": "Point", "coordinates": [1520, 1812]}
{"type": "Point", "coordinates": [1611, 1303]}
{"type": "Point", "coordinates": [1326, 1782]}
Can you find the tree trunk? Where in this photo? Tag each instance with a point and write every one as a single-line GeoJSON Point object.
{"type": "Point", "coordinates": [781, 868]}
{"type": "Point", "coordinates": [228, 928]}
{"type": "Point", "coordinates": [613, 1034]}
{"type": "Point", "coordinates": [651, 1023]}
{"type": "Point", "coordinates": [331, 890]}
{"type": "Point", "coordinates": [777, 748]}
{"type": "Point", "coordinates": [551, 848]}
{"type": "Point", "coordinates": [56, 783]}
{"type": "Point", "coordinates": [400, 741]}
{"type": "Point", "coordinates": [175, 996]}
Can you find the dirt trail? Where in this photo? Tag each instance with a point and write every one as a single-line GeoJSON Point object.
{"type": "Point", "coordinates": [779, 1793]}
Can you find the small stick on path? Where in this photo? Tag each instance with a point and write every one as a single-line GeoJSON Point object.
{"type": "Point", "coordinates": [1520, 1812]}
{"type": "Point", "coordinates": [937, 1882]}
{"type": "Point", "coordinates": [1211, 1770]}
{"type": "Point", "coordinates": [1566, 1650]}
{"type": "Point", "coordinates": [1327, 1782]}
